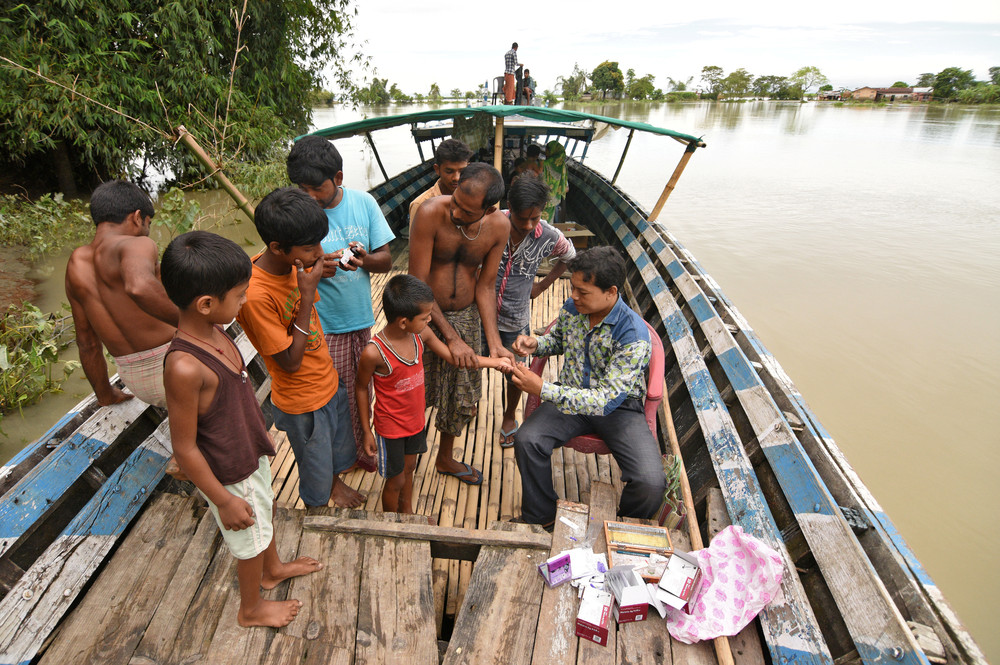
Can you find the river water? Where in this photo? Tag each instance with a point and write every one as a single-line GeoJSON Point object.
{"type": "Point", "coordinates": [862, 243]}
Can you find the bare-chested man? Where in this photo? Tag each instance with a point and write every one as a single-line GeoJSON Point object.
{"type": "Point", "coordinates": [115, 294]}
{"type": "Point", "coordinates": [451, 237]}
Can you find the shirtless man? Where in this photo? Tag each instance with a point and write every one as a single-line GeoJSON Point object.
{"type": "Point", "coordinates": [115, 294]}
{"type": "Point", "coordinates": [452, 236]}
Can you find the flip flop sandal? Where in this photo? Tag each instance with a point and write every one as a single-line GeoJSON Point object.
{"type": "Point", "coordinates": [465, 475]}
{"type": "Point", "coordinates": [507, 436]}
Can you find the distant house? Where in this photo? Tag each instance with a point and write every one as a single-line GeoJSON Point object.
{"type": "Point", "coordinates": [890, 94]}
{"type": "Point", "coordinates": [830, 95]}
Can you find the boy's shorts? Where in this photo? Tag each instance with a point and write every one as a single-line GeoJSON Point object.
{"type": "Point", "coordinates": [256, 491]}
{"type": "Point", "coordinates": [392, 452]}
{"type": "Point", "coordinates": [323, 443]}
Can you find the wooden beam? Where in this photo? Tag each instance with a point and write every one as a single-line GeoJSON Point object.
{"type": "Point", "coordinates": [685, 158]}
{"type": "Point", "coordinates": [446, 542]}
{"type": "Point", "coordinates": [498, 146]}
{"type": "Point", "coordinates": [621, 161]}
{"type": "Point", "coordinates": [214, 170]}
{"type": "Point", "coordinates": [371, 142]}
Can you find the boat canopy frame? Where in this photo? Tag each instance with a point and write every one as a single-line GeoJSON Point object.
{"type": "Point", "coordinates": [562, 116]}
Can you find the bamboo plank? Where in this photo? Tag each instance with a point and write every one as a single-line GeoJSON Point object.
{"type": "Point", "coordinates": [569, 474]}
{"type": "Point", "coordinates": [603, 506]}
{"type": "Point", "coordinates": [555, 636]}
{"type": "Point", "coordinates": [395, 622]}
{"type": "Point", "coordinates": [161, 634]}
{"type": "Point", "coordinates": [497, 620]}
{"type": "Point", "coordinates": [233, 644]}
{"type": "Point", "coordinates": [108, 624]}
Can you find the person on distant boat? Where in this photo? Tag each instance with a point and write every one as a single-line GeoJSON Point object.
{"type": "Point", "coordinates": [531, 163]}
{"type": "Point", "coordinates": [217, 427]}
{"type": "Point", "coordinates": [531, 241]}
{"type": "Point", "coordinates": [510, 65]}
{"type": "Point", "coordinates": [117, 300]}
{"type": "Point", "coordinates": [527, 87]}
{"type": "Point", "coordinates": [450, 159]}
{"type": "Point", "coordinates": [357, 225]}
{"type": "Point", "coordinates": [452, 237]}
{"type": "Point", "coordinates": [601, 389]}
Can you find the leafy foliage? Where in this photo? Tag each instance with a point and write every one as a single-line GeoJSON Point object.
{"type": "Point", "coordinates": [376, 93]}
{"type": "Point", "coordinates": [897, 84]}
{"type": "Point", "coordinates": [434, 95]}
{"type": "Point", "coordinates": [30, 342]}
{"type": "Point", "coordinates": [45, 225]}
{"type": "Point", "coordinates": [607, 77]}
{"type": "Point", "coordinates": [995, 75]}
{"type": "Point", "coordinates": [737, 84]}
{"type": "Point", "coordinates": [711, 75]}
{"type": "Point", "coordinates": [981, 93]}
{"type": "Point", "coordinates": [925, 80]}
{"type": "Point", "coordinates": [157, 64]}
{"type": "Point", "coordinates": [640, 88]}
{"type": "Point", "coordinates": [573, 85]}
{"type": "Point", "coordinates": [948, 82]}
{"type": "Point", "coordinates": [807, 77]}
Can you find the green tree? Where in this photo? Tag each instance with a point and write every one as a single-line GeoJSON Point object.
{"type": "Point", "coordinates": [678, 85]}
{"type": "Point", "coordinates": [828, 87]}
{"type": "Point", "coordinates": [574, 85]}
{"type": "Point", "coordinates": [898, 84]}
{"type": "Point", "coordinates": [435, 93]}
{"type": "Point", "coordinates": [641, 88]}
{"type": "Point", "coordinates": [375, 94]}
{"type": "Point", "coordinates": [456, 93]}
{"type": "Point", "coordinates": [995, 75]}
{"type": "Point", "coordinates": [768, 86]}
{"type": "Point", "coordinates": [737, 84]}
{"type": "Point", "coordinates": [712, 78]}
{"type": "Point", "coordinates": [152, 62]}
{"type": "Point", "coordinates": [607, 77]}
{"type": "Point", "coordinates": [948, 82]}
{"type": "Point", "coordinates": [807, 77]}
{"type": "Point", "coordinates": [398, 96]}
{"type": "Point", "coordinates": [925, 80]}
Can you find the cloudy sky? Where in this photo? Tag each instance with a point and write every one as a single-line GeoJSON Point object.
{"type": "Point", "coordinates": [853, 42]}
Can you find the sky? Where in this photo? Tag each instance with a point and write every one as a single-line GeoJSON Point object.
{"type": "Point", "coordinates": [853, 42]}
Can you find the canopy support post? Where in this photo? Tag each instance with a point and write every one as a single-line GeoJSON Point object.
{"type": "Point", "coordinates": [371, 142]}
{"type": "Point", "coordinates": [685, 158]}
{"type": "Point", "coordinates": [214, 171]}
{"type": "Point", "coordinates": [498, 145]}
{"type": "Point", "coordinates": [621, 161]}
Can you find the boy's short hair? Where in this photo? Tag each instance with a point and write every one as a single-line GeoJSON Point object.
{"type": "Point", "coordinates": [291, 218]}
{"type": "Point", "coordinates": [115, 200]}
{"type": "Point", "coordinates": [534, 150]}
{"type": "Point", "coordinates": [528, 191]}
{"type": "Point", "coordinates": [199, 263]}
{"type": "Point", "coordinates": [402, 297]}
{"type": "Point", "coordinates": [452, 150]}
{"type": "Point", "coordinates": [312, 161]}
{"type": "Point", "coordinates": [602, 266]}
{"type": "Point", "coordinates": [485, 179]}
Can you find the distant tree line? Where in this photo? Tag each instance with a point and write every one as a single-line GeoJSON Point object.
{"type": "Point", "coordinates": [959, 85]}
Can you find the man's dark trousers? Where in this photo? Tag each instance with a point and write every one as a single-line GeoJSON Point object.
{"type": "Point", "coordinates": [626, 434]}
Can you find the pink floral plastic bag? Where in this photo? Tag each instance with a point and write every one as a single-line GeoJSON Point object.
{"type": "Point", "coordinates": [740, 575]}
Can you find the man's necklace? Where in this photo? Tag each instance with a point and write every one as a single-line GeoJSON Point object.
{"type": "Point", "coordinates": [462, 229]}
{"type": "Point", "coordinates": [241, 370]}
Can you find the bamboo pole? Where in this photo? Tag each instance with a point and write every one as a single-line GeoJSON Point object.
{"type": "Point", "coordinates": [673, 181]}
{"type": "Point", "coordinates": [498, 146]}
{"type": "Point", "coordinates": [722, 651]}
{"type": "Point", "coordinates": [371, 142]}
{"type": "Point", "coordinates": [214, 170]}
{"type": "Point", "coordinates": [621, 161]}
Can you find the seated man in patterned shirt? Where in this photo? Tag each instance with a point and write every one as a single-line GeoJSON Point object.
{"type": "Point", "coordinates": [601, 390]}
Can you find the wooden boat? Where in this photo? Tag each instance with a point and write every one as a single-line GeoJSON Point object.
{"type": "Point", "coordinates": [755, 455]}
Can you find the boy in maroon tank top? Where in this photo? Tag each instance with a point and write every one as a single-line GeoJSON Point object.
{"type": "Point", "coordinates": [218, 431]}
{"type": "Point", "coordinates": [392, 361]}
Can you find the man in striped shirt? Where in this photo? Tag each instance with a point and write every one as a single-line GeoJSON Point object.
{"type": "Point", "coordinates": [509, 66]}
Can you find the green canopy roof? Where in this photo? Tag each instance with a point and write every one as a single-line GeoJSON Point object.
{"type": "Point", "coordinates": [536, 112]}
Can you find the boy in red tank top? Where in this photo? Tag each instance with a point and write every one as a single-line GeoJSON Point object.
{"type": "Point", "coordinates": [392, 361]}
{"type": "Point", "coordinates": [218, 431]}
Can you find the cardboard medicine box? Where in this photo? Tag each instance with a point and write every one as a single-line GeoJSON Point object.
{"type": "Point", "coordinates": [595, 612]}
{"type": "Point", "coordinates": [680, 580]}
{"type": "Point", "coordinates": [633, 604]}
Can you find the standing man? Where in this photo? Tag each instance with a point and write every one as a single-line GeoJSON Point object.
{"type": "Point", "coordinates": [509, 67]}
{"type": "Point", "coordinates": [356, 223]}
{"type": "Point", "coordinates": [452, 237]}
{"type": "Point", "coordinates": [117, 300]}
{"type": "Point", "coordinates": [450, 159]}
{"type": "Point", "coordinates": [601, 389]}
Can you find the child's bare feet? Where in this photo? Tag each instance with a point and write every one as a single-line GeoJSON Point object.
{"type": "Point", "coordinates": [343, 496]}
{"type": "Point", "coordinates": [301, 566]}
{"type": "Point", "coordinates": [273, 613]}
